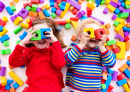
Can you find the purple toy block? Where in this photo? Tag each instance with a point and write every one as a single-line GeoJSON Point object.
{"type": "Point", "coordinates": [16, 15]}
{"type": "Point", "coordinates": [23, 13]}
{"type": "Point", "coordinates": [128, 19]}
{"type": "Point", "coordinates": [77, 6]}
{"type": "Point", "coordinates": [102, 22]}
{"type": "Point", "coordinates": [104, 68]}
{"type": "Point", "coordinates": [105, 11]}
{"type": "Point", "coordinates": [119, 37]}
{"type": "Point", "coordinates": [38, 9]}
{"type": "Point", "coordinates": [118, 3]}
{"type": "Point", "coordinates": [114, 75]}
{"type": "Point", "coordinates": [12, 18]}
{"type": "Point", "coordinates": [128, 10]}
{"type": "Point", "coordinates": [80, 14]}
{"type": "Point", "coordinates": [58, 12]}
{"type": "Point", "coordinates": [2, 6]}
{"type": "Point", "coordinates": [113, 4]}
{"type": "Point", "coordinates": [120, 8]}
{"type": "Point", "coordinates": [113, 17]}
{"type": "Point", "coordinates": [3, 69]}
{"type": "Point", "coordinates": [41, 1]}
{"type": "Point", "coordinates": [55, 0]}
{"type": "Point", "coordinates": [126, 34]}
{"type": "Point", "coordinates": [124, 10]}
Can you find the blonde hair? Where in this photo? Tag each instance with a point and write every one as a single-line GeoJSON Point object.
{"type": "Point", "coordinates": [82, 23]}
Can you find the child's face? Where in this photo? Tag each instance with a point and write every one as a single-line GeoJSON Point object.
{"type": "Point", "coordinates": [44, 43]}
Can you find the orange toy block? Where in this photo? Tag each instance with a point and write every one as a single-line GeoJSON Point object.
{"type": "Point", "coordinates": [71, 8]}
{"type": "Point", "coordinates": [33, 14]}
{"type": "Point", "coordinates": [128, 82]}
{"type": "Point", "coordinates": [129, 68]}
{"type": "Point", "coordinates": [107, 32]}
{"type": "Point", "coordinates": [11, 67]}
{"type": "Point", "coordinates": [108, 25]}
{"type": "Point", "coordinates": [104, 73]}
{"type": "Point", "coordinates": [109, 47]}
{"type": "Point", "coordinates": [12, 90]}
{"type": "Point", "coordinates": [43, 7]}
{"type": "Point", "coordinates": [79, 2]}
{"type": "Point", "coordinates": [121, 33]}
{"type": "Point", "coordinates": [73, 38]}
{"type": "Point", "coordinates": [128, 25]}
{"type": "Point", "coordinates": [128, 58]}
{"type": "Point", "coordinates": [127, 46]}
{"type": "Point", "coordinates": [123, 67]}
{"type": "Point", "coordinates": [115, 1]}
{"type": "Point", "coordinates": [41, 15]}
{"type": "Point", "coordinates": [12, 3]}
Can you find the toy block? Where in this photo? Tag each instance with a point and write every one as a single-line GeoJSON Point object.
{"type": "Point", "coordinates": [1, 28]}
{"type": "Point", "coordinates": [15, 85]}
{"type": "Point", "coordinates": [25, 89]}
{"type": "Point", "coordinates": [53, 15]}
{"type": "Point", "coordinates": [2, 6]}
{"type": "Point", "coordinates": [108, 25]}
{"type": "Point", "coordinates": [98, 2]}
{"type": "Point", "coordinates": [89, 11]}
{"type": "Point", "coordinates": [121, 33]}
{"type": "Point", "coordinates": [116, 23]}
{"type": "Point", "coordinates": [71, 8]}
{"type": "Point", "coordinates": [126, 38]}
{"type": "Point", "coordinates": [128, 58]}
{"type": "Point", "coordinates": [57, 7]}
{"type": "Point", "coordinates": [121, 54]}
{"type": "Point", "coordinates": [28, 8]}
{"type": "Point", "coordinates": [83, 18]}
{"type": "Point", "coordinates": [18, 20]}
{"type": "Point", "coordinates": [105, 11]}
{"type": "Point", "coordinates": [126, 88]}
{"type": "Point", "coordinates": [3, 80]}
{"type": "Point", "coordinates": [74, 24]}
{"type": "Point", "coordinates": [12, 3]}
{"type": "Point", "coordinates": [110, 71]}
{"type": "Point", "coordinates": [111, 8]}
{"type": "Point", "coordinates": [43, 7]}
{"type": "Point", "coordinates": [12, 90]}
{"type": "Point", "coordinates": [41, 15]}
{"type": "Point", "coordinates": [53, 10]}
{"type": "Point", "coordinates": [66, 9]}
{"type": "Point", "coordinates": [123, 15]}
{"type": "Point", "coordinates": [77, 6]}
{"type": "Point", "coordinates": [126, 29]}
{"type": "Point", "coordinates": [110, 88]}
{"type": "Point", "coordinates": [113, 17]}
{"type": "Point", "coordinates": [46, 13]}
{"type": "Point", "coordinates": [51, 3]}
{"type": "Point", "coordinates": [5, 19]}
{"type": "Point", "coordinates": [61, 22]}
{"type": "Point", "coordinates": [102, 2]}
{"type": "Point", "coordinates": [107, 83]}
{"type": "Point", "coordinates": [90, 31]}
{"type": "Point", "coordinates": [127, 73]}
{"type": "Point", "coordinates": [2, 23]}
{"type": "Point", "coordinates": [80, 14]}
{"type": "Point", "coordinates": [4, 38]}
{"type": "Point", "coordinates": [118, 28]}
{"type": "Point", "coordinates": [7, 87]}
{"type": "Point", "coordinates": [33, 14]}
{"type": "Point", "coordinates": [117, 11]}
{"type": "Point", "coordinates": [9, 10]}
{"type": "Point", "coordinates": [23, 13]}
{"type": "Point", "coordinates": [115, 50]}
{"type": "Point", "coordinates": [67, 20]}
{"type": "Point", "coordinates": [103, 86]}
{"type": "Point", "coordinates": [91, 5]}
{"type": "Point", "coordinates": [6, 43]}
{"type": "Point", "coordinates": [27, 4]}
{"type": "Point", "coordinates": [3, 32]}
{"type": "Point", "coordinates": [47, 6]}
{"type": "Point", "coordinates": [73, 38]}
{"type": "Point", "coordinates": [103, 81]}
{"type": "Point", "coordinates": [18, 29]}
{"type": "Point", "coordinates": [128, 25]}
{"type": "Point", "coordinates": [123, 67]}
{"type": "Point", "coordinates": [63, 4]}
{"type": "Point", "coordinates": [10, 67]}
{"type": "Point", "coordinates": [58, 12]}
{"type": "Point", "coordinates": [23, 35]}
{"type": "Point", "coordinates": [114, 75]}
{"type": "Point", "coordinates": [128, 82]}
{"type": "Point", "coordinates": [7, 51]}
{"type": "Point", "coordinates": [111, 42]}
{"type": "Point", "coordinates": [13, 8]}
{"type": "Point", "coordinates": [38, 9]}
{"type": "Point", "coordinates": [24, 25]}
{"type": "Point", "coordinates": [115, 1]}
{"type": "Point", "coordinates": [16, 1]}
{"type": "Point", "coordinates": [43, 30]}
{"type": "Point", "coordinates": [74, 18]}
{"type": "Point", "coordinates": [75, 11]}
{"type": "Point", "coordinates": [119, 37]}
{"type": "Point", "coordinates": [34, 7]}
{"type": "Point", "coordinates": [121, 82]}
{"type": "Point", "coordinates": [67, 26]}
{"type": "Point", "coordinates": [99, 33]}
{"type": "Point", "coordinates": [128, 62]}
{"type": "Point", "coordinates": [58, 1]}
{"type": "Point", "coordinates": [12, 18]}
{"type": "Point", "coordinates": [35, 1]}
{"type": "Point", "coordinates": [102, 22]}
{"type": "Point", "coordinates": [79, 2]}
{"type": "Point", "coordinates": [27, 81]}
{"type": "Point", "coordinates": [104, 73]}
{"type": "Point", "coordinates": [16, 78]}
{"type": "Point", "coordinates": [3, 69]}
{"type": "Point", "coordinates": [38, 35]}
{"type": "Point", "coordinates": [107, 32]}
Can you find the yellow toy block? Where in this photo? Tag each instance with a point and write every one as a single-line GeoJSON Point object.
{"type": "Point", "coordinates": [3, 32]}
{"type": "Point", "coordinates": [18, 20]}
{"type": "Point", "coordinates": [118, 28]}
{"type": "Point", "coordinates": [67, 20]}
{"type": "Point", "coordinates": [127, 2]}
{"type": "Point", "coordinates": [107, 2]}
{"type": "Point", "coordinates": [66, 9]}
{"type": "Point", "coordinates": [121, 54]}
{"type": "Point", "coordinates": [16, 1]}
{"type": "Point", "coordinates": [121, 21]}
{"type": "Point", "coordinates": [24, 25]}
{"type": "Point", "coordinates": [105, 44]}
{"type": "Point", "coordinates": [111, 8]}
{"type": "Point", "coordinates": [28, 20]}
{"type": "Point", "coordinates": [5, 19]}
{"type": "Point", "coordinates": [3, 80]}
{"type": "Point", "coordinates": [90, 32]}
{"type": "Point", "coordinates": [74, 24]}
{"type": "Point", "coordinates": [126, 88]}
{"type": "Point", "coordinates": [103, 27]}
{"type": "Point", "coordinates": [47, 6]}
{"type": "Point", "coordinates": [91, 5]}
{"type": "Point", "coordinates": [16, 78]}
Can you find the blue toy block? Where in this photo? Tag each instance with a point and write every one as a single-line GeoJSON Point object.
{"type": "Point", "coordinates": [127, 73]}
{"type": "Point", "coordinates": [122, 4]}
{"type": "Point", "coordinates": [121, 82]}
{"type": "Point", "coordinates": [63, 4]}
{"type": "Point", "coordinates": [1, 28]}
{"type": "Point", "coordinates": [15, 85]}
{"type": "Point", "coordinates": [46, 13]}
{"type": "Point", "coordinates": [120, 0]}
{"type": "Point", "coordinates": [83, 18]}
{"type": "Point", "coordinates": [22, 66]}
{"type": "Point", "coordinates": [126, 29]}
{"type": "Point", "coordinates": [43, 30]}
{"type": "Point", "coordinates": [2, 6]}
{"type": "Point", "coordinates": [9, 10]}
{"type": "Point", "coordinates": [23, 35]}
{"type": "Point", "coordinates": [110, 71]}
{"type": "Point", "coordinates": [7, 87]}
{"type": "Point", "coordinates": [107, 83]}
{"type": "Point", "coordinates": [51, 3]}
{"type": "Point", "coordinates": [53, 10]}
{"type": "Point", "coordinates": [9, 81]}
{"type": "Point", "coordinates": [4, 38]}
{"type": "Point", "coordinates": [128, 63]}
{"type": "Point", "coordinates": [98, 2]}
{"type": "Point", "coordinates": [117, 11]}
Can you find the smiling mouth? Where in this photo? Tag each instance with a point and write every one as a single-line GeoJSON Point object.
{"type": "Point", "coordinates": [42, 41]}
{"type": "Point", "coordinates": [93, 40]}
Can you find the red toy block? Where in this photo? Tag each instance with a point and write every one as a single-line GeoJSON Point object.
{"type": "Point", "coordinates": [27, 4]}
{"type": "Point", "coordinates": [99, 33]}
{"type": "Point", "coordinates": [27, 81]}
{"type": "Point", "coordinates": [116, 50]}
{"type": "Point", "coordinates": [57, 7]}
{"type": "Point", "coordinates": [126, 38]}
{"type": "Point", "coordinates": [2, 88]}
{"type": "Point", "coordinates": [25, 89]}
{"type": "Point", "coordinates": [121, 76]}
{"type": "Point", "coordinates": [30, 24]}
{"type": "Point", "coordinates": [61, 22]}
{"type": "Point", "coordinates": [89, 11]}
{"type": "Point", "coordinates": [103, 81]}
{"type": "Point", "coordinates": [58, 1]}
{"type": "Point", "coordinates": [64, 0]}
{"type": "Point", "coordinates": [107, 39]}
{"type": "Point", "coordinates": [74, 18]}
{"type": "Point", "coordinates": [110, 88]}
{"type": "Point", "coordinates": [2, 23]}
{"type": "Point", "coordinates": [35, 1]}
{"type": "Point", "coordinates": [75, 11]}
{"type": "Point", "coordinates": [6, 91]}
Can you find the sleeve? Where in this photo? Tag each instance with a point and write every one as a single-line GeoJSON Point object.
{"type": "Point", "coordinates": [72, 54]}
{"type": "Point", "coordinates": [18, 57]}
{"type": "Point", "coordinates": [108, 59]}
{"type": "Point", "coordinates": [58, 59]}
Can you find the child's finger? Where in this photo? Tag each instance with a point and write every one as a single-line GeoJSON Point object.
{"type": "Point", "coordinates": [51, 30]}
{"type": "Point", "coordinates": [33, 35]}
{"type": "Point", "coordinates": [32, 31]}
{"type": "Point", "coordinates": [48, 36]}
{"type": "Point", "coordinates": [29, 29]}
{"type": "Point", "coordinates": [48, 32]}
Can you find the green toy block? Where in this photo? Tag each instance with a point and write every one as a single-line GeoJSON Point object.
{"type": "Point", "coordinates": [90, 0]}
{"type": "Point", "coordinates": [28, 8]}
{"type": "Point", "coordinates": [53, 15]}
{"type": "Point", "coordinates": [102, 2]}
{"type": "Point", "coordinates": [6, 51]}
{"type": "Point", "coordinates": [17, 42]}
{"type": "Point", "coordinates": [34, 7]}
{"type": "Point", "coordinates": [18, 29]}
{"type": "Point", "coordinates": [38, 32]}
{"type": "Point", "coordinates": [127, 6]}
{"type": "Point", "coordinates": [103, 86]}
{"type": "Point", "coordinates": [111, 42]}
{"type": "Point", "coordinates": [59, 4]}
{"type": "Point", "coordinates": [67, 26]}
{"type": "Point", "coordinates": [123, 15]}
{"type": "Point", "coordinates": [13, 8]}
{"type": "Point", "coordinates": [6, 43]}
{"type": "Point", "coordinates": [116, 23]}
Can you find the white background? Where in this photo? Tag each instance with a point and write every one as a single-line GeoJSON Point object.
{"type": "Point", "coordinates": [97, 12]}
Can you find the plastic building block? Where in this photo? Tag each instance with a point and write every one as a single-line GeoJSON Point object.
{"type": "Point", "coordinates": [38, 35]}
{"type": "Point", "coordinates": [90, 31]}
{"type": "Point", "coordinates": [7, 51]}
{"type": "Point", "coordinates": [126, 38]}
{"type": "Point", "coordinates": [23, 13]}
{"type": "Point", "coordinates": [80, 14]}
{"type": "Point", "coordinates": [121, 82]}
{"type": "Point", "coordinates": [35, 1]}
{"type": "Point", "coordinates": [27, 4]}
{"type": "Point", "coordinates": [83, 18]}
{"type": "Point", "coordinates": [74, 24]}
{"type": "Point", "coordinates": [15, 85]}
{"type": "Point", "coordinates": [116, 23]}
{"type": "Point", "coordinates": [9, 10]}
{"type": "Point", "coordinates": [128, 25]}
{"type": "Point", "coordinates": [43, 7]}
{"type": "Point", "coordinates": [24, 25]}
{"type": "Point", "coordinates": [6, 43]}
{"type": "Point", "coordinates": [1, 28]}
{"type": "Point", "coordinates": [47, 6]}
{"type": "Point", "coordinates": [34, 7]}
{"type": "Point", "coordinates": [118, 28]}
{"type": "Point", "coordinates": [89, 11]}
{"type": "Point", "coordinates": [74, 18]}
{"type": "Point", "coordinates": [33, 14]}
{"type": "Point", "coordinates": [38, 9]}
{"type": "Point", "coordinates": [12, 18]}
{"type": "Point", "coordinates": [128, 82]}
{"type": "Point", "coordinates": [18, 20]}
{"type": "Point", "coordinates": [99, 32]}
{"type": "Point", "coordinates": [110, 71]}
{"type": "Point", "coordinates": [25, 89]}
{"type": "Point", "coordinates": [123, 67]}
{"type": "Point", "coordinates": [67, 26]}
{"type": "Point", "coordinates": [51, 3]}
{"type": "Point", "coordinates": [4, 38]}
{"type": "Point", "coordinates": [126, 88]}
{"type": "Point", "coordinates": [113, 4]}
{"type": "Point", "coordinates": [5, 19]}
{"type": "Point", "coordinates": [126, 29]}
{"type": "Point", "coordinates": [103, 86]}
{"type": "Point", "coordinates": [2, 23]}
{"type": "Point", "coordinates": [63, 4]}
{"type": "Point", "coordinates": [16, 1]}
{"type": "Point", "coordinates": [128, 58]}
{"type": "Point", "coordinates": [43, 30]}
{"type": "Point", "coordinates": [18, 29]}
{"type": "Point", "coordinates": [116, 50]}
{"type": "Point", "coordinates": [91, 5]}
{"type": "Point", "coordinates": [98, 2]}
{"type": "Point", "coordinates": [117, 11]}
{"type": "Point", "coordinates": [77, 6]}
{"type": "Point", "coordinates": [2, 6]}
{"type": "Point", "coordinates": [13, 8]}
{"type": "Point", "coordinates": [53, 10]}
{"type": "Point", "coordinates": [28, 8]}
{"type": "Point", "coordinates": [61, 22]}
{"type": "Point", "coordinates": [107, 32]}
{"type": "Point", "coordinates": [114, 75]}
{"type": "Point", "coordinates": [119, 37]}
{"type": "Point", "coordinates": [23, 35]}
{"type": "Point", "coordinates": [41, 15]}
{"type": "Point", "coordinates": [73, 38]}
{"type": "Point", "coordinates": [3, 69]}
{"type": "Point", "coordinates": [102, 22]}
{"type": "Point", "coordinates": [108, 25]}
{"type": "Point", "coordinates": [53, 15]}
{"type": "Point", "coordinates": [12, 90]}
{"type": "Point", "coordinates": [111, 42]}
{"type": "Point", "coordinates": [3, 32]}
{"type": "Point", "coordinates": [127, 73]}
{"type": "Point", "coordinates": [104, 73]}
{"type": "Point", "coordinates": [3, 80]}
{"type": "Point", "coordinates": [58, 12]}
{"type": "Point", "coordinates": [111, 8]}
{"type": "Point", "coordinates": [105, 11]}
{"type": "Point", "coordinates": [123, 15]}
{"type": "Point", "coordinates": [67, 20]}
{"type": "Point", "coordinates": [66, 8]}
{"type": "Point", "coordinates": [121, 76]}
{"type": "Point", "coordinates": [7, 87]}
{"type": "Point", "coordinates": [12, 3]}
{"type": "Point", "coordinates": [46, 13]}
{"type": "Point", "coordinates": [121, 33]}
{"type": "Point", "coordinates": [113, 17]}
{"type": "Point", "coordinates": [128, 62]}
{"type": "Point", "coordinates": [75, 11]}
{"type": "Point", "coordinates": [17, 42]}
{"type": "Point", "coordinates": [110, 88]}
{"type": "Point", "coordinates": [71, 8]}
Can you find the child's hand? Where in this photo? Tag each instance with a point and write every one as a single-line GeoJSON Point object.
{"type": "Point", "coordinates": [83, 40]}
{"type": "Point", "coordinates": [53, 38]}
{"type": "Point", "coordinates": [102, 40]}
{"type": "Point", "coordinates": [26, 40]}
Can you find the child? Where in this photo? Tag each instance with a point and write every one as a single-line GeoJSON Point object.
{"type": "Point", "coordinates": [85, 60]}
{"type": "Point", "coordinates": [43, 61]}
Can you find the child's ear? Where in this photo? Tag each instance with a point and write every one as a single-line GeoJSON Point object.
{"type": "Point", "coordinates": [79, 36]}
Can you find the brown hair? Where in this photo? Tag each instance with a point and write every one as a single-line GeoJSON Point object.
{"type": "Point", "coordinates": [54, 26]}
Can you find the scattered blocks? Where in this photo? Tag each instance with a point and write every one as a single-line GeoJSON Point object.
{"type": "Point", "coordinates": [80, 14]}
{"type": "Point", "coordinates": [4, 38]}
{"type": "Point", "coordinates": [52, 3]}
{"type": "Point", "coordinates": [23, 35]}
{"type": "Point", "coordinates": [91, 5]}
{"type": "Point", "coordinates": [35, 1]}
{"type": "Point", "coordinates": [90, 31]}
{"type": "Point", "coordinates": [6, 43]}
{"type": "Point", "coordinates": [126, 88]}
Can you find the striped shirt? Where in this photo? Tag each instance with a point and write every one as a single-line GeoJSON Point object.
{"type": "Point", "coordinates": [85, 67]}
